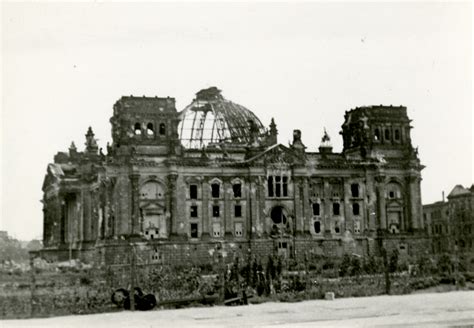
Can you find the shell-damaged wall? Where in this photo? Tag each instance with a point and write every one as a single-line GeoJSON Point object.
{"type": "Point", "coordinates": [178, 204]}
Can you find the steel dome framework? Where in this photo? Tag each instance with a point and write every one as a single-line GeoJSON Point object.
{"type": "Point", "coordinates": [211, 119]}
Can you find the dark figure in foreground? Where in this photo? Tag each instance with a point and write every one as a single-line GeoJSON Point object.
{"type": "Point", "coordinates": [121, 298]}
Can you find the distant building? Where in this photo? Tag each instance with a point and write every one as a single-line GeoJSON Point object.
{"type": "Point", "coordinates": [436, 216]}
{"type": "Point", "coordinates": [451, 223]}
{"type": "Point", "coordinates": [212, 177]}
{"type": "Point", "coordinates": [461, 212]}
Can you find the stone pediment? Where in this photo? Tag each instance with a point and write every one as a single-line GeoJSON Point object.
{"type": "Point", "coordinates": [278, 155]}
{"type": "Point", "coordinates": [53, 175]}
{"type": "Point", "coordinates": [151, 207]}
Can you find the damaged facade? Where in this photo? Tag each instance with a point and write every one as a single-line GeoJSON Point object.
{"type": "Point", "coordinates": [211, 179]}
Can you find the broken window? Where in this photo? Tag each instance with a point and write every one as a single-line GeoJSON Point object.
{"type": "Point", "coordinates": [194, 230]}
{"type": "Point", "coordinates": [149, 129]}
{"type": "Point", "coordinates": [237, 189]}
{"type": "Point", "coordinates": [355, 190]}
{"type": "Point", "coordinates": [237, 211]}
{"type": "Point", "coordinates": [397, 134]}
{"type": "Point", "coordinates": [277, 186]}
{"type": "Point", "coordinates": [336, 208]}
{"type": "Point", "coordinates": [377, 135]}
{"type": "Point", "coordinates": [387, 134]}
{"type": "Point", "coordinates": [285, 186]}
{"type": "Point", "coordinates": [194, 211]}
{"type": "Point", "coordinates": [270, 186]}
{"type": "Point", "coordinates": [193, 191]}
{"type": "Point", "coordinates": [355, 209]}
{"type": "Point", "coordinates": [316, 209]}
{"type": "Point", "coordinates": [337, 228]}
{"type": "Point", "coordinates": [155, 256]}
{"type": "Point", "coordinates": [216, 211]}
{"type": "Point", "coordinates": [317, 226]}
{"type": "Point", "coordinates": [137, 130]}
{"type": "Point", "coordinates": [162, 129]}
{"type": "Point", "coordinates": [215, 188]}
{"type": "Point", "coordinates": [216, 230]}
{"type": "Point", "coordinates": [238, 229]}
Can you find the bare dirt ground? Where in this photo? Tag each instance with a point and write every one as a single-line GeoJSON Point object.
{"type": "Point", "coordinates": [453, 309]}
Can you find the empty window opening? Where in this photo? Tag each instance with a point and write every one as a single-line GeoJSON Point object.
{"type": "Point", "coordinates": [277, 186]}
{"type": "Point", "coordinates": [193, 191]}
{"type": "Point", "coordinates": [194, 211]}
{"type": "Point", "coordinates": [237, 189]}
{"type": "Point", "coordinates": [317, 227]}
{"type": "Point", "coordinates": [316, 209]}
{"type": "Point", "coordinates": [377, 135]}
{"type": "Point", "coordinates": [270, 186]}
{"type": "Point", "coordinates": [238, 230]}
{"type": "Point", "coordinates": [215, 188]}
{"type": "Point", "coordinates": [216, 211]}
{"type": "Point", "coordinates": [355, 209]}
{"type": "Point", "coordinates": [397, 134]}
{"type": "Point", "coordinates": [194, 230]}
{"type": "Point", "coordinates": [336, 207]}
{"type": "Point", "coordinates": [137, 129]}
{"type": "Point", "coordinates": [278, 216]}
{"type": "Point", "coordinates": [162, 129]}
{"type": "Point", "coordinates": [387, 134]}
{"type": "Point", "coordinates": [355, 190]}
{"type": "Point", "coordinates": [238, 211]}
{"type": "Point", "coordinates": [285, 186]}
{"type": "Point", "coordinates": [391, 194]}
{"type": "Point", "coordinates": [337, 229]}
{"type": "Point", "coordinates": [282, 245]}
{"type": "Point", "coordinates": [149, 129]}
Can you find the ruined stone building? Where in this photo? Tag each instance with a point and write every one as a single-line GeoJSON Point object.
{"type": "Point", "coordinates": [451, 223]}
{"type": "Point", "coordinates": [184, 184]}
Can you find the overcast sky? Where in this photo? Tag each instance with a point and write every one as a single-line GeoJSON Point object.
{"type": "Point", "coordinates": [305, 64]}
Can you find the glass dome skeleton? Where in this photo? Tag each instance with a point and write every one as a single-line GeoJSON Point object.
{"type": "Point", "coordinates": [217, 121]}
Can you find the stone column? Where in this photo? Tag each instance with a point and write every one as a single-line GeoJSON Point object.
{"type": "Point", "coordinates": [327, 207]}
{"type": "Point", "coordinates": [304, 226]}
{"type": "Point", "coordinates": [414, 199]}
{"type": "Point", "coordinates": [258, 204]}
{"type": "Point", "coordinates": [381, 212]}
{"type": "Point", "coordinates": [348, 216]}
{"type": "Point", "coordinates": [227, 217]}
{"type": "Point", "coordinates": [171, 204]}
{"type": "Point", "coordinates": [205, 206]}
{"type": "Point", "coordinates": [134, 227]}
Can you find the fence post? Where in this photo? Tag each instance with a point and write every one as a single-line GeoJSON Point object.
{"type": "Point", "coordinates": [132, 277]}
{"type": "Point", "coordinates": [32, 284]}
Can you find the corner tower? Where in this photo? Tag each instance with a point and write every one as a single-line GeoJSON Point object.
{"type": "Point", "coordinates": [145, 126]}
{"type": "Point", "coordinates": [377, 131]}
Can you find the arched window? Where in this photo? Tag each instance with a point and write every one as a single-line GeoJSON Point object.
{"type": "Point", "coordinates": [387, 134]}
{"type": "Point", "coordinates": [316, 209]}
{"type": "Point", "coordinates": [137, 129]}
{"type": "Point", "coordinates": [149, 129]}
{"type": "Point", "coordinates": [317, 226]}
{"type": "Point", "coordinates": [336, 209]}
{"type": "Point", "coordinates": [355, 190]}
{"type": "Point", "coordinates": [162, 129]}
{"type": "Point", "coordinates": [355, 209]}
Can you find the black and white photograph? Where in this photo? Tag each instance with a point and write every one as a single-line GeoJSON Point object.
{"type": "Point", "coordinates": [236, 164]}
